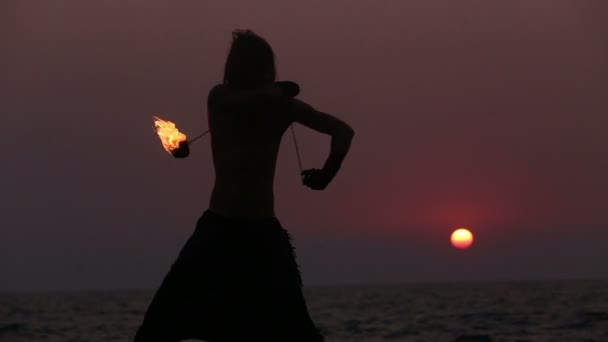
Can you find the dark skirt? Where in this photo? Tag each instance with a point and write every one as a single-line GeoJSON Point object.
{"type": "Point", "coordinates": [232, 281]}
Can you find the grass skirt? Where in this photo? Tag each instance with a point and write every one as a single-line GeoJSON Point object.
{"type": "Point", "coordinates": [232, 281]}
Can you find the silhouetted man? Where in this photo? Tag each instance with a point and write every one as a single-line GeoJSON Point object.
{"type": "Point", "coordinates": [236, 278]}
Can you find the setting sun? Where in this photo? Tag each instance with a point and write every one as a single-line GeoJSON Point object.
{"type": "Point", "coordinates": [462, 238]}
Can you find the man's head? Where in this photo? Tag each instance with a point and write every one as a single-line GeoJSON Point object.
{"type": "Point", "coordinates": [250, 61]}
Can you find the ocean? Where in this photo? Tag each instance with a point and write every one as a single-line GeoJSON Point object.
{"type": "Point", "coordinates": [508, 311]}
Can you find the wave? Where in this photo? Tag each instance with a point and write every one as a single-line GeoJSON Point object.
{"type": "Point", "coordinates": [12, 328]}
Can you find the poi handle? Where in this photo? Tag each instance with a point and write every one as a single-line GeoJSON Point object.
{"type": "Point", "coordinates": [295, 143]}
{"type": "Point", "coordinates": [198, 137]}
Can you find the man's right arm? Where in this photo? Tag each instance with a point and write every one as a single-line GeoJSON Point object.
{"type": "Point", "coordinates": [341, 133]}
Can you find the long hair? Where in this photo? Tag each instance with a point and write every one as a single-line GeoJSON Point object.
{"type": "Point", "coordinates": [250, 61]}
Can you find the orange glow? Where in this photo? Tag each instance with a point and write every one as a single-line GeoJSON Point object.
{"type": "Point", "coordinates": [462, 238]}
{"type": "Point", "coordinates": [169, 135]}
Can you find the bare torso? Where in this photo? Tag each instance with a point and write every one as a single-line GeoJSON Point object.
{"type": "Point", "coordinates": [245, 146]}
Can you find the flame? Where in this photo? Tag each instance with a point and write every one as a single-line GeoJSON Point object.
{"type": "Point", "coordinates": [169, 135]}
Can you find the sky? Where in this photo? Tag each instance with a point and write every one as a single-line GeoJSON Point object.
{"type": "Point", "coordinates": [481, 114]}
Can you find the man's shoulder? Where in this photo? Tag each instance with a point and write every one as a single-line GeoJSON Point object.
{"type": "Point", "coordinates": [217, 91]}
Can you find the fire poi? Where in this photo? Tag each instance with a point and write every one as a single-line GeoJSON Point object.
{"type": "Point", "coordinates": [174, 141]}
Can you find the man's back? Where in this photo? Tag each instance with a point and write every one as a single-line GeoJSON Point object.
{"type": "Point", "coordinates": [245, 141]}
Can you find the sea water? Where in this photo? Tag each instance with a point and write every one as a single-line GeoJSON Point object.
{"type": "Point", "coordinates": [509, 311]}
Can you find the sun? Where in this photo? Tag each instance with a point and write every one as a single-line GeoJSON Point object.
{"type": "Point", "coordinates": [462, 238]}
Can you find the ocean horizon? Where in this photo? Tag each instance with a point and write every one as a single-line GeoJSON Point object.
{"type": "Point", "coordinates": [526, 310]}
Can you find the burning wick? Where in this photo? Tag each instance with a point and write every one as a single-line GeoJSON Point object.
{"type": "Point", "coordinates": [174, 141]}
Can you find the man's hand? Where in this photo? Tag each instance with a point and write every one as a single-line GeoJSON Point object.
{"type": "Point", "coordinates": [316, 179]}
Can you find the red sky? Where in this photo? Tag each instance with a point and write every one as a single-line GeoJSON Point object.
{"type": "Point", "coordinates": [472, 113]}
